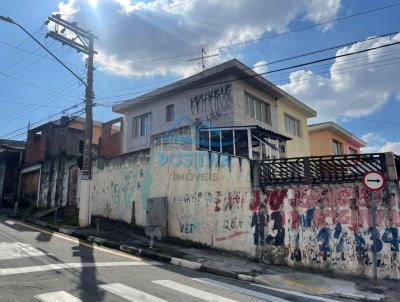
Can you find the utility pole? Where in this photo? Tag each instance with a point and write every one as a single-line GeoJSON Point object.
{"type": "Point", "coordinates": [83, 41]}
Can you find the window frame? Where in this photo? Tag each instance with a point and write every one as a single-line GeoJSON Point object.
{"type": "Point", "coordinates": [339, 144]}
{"type": "Point", "coordinates": [169, 115]}
{"type": "Point", "coordinates": [139, 123]}
{"type": "Point", "coordinates": [297, 122]}
{"type": "Point", "coordinates": [258, 109]}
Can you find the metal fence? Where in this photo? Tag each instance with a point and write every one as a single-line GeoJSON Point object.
{"type": "Point", "coordinates": [320, 169]}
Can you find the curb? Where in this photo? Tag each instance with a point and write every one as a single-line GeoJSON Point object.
{"type": "Point", "coordinates": [143, 252]}
{"type": "Point", "coordinates": [360, 297]}
{"type": "Point", "coordinates": [132, 250]}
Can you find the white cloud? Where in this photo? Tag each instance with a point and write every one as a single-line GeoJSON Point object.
{"type": "Point", "coordinates": [260, 67]}
{"type": "Point", "coordinates": [131, 32]}
{"type": "Point", "coordinates": [356, 85]}
{"type": "Point", "coordinates": [377, 143]}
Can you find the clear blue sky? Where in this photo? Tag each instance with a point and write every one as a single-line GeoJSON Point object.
{"type": "Point", "coordinates": [362, 93]}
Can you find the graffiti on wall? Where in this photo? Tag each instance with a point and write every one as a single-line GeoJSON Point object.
{"type": "Point", "coordinates": [123, 190]}
{"type": "Point", "coordinates": [220, 212]}
{"type": "Point", "coordinates": [332, 224]}
{"type": "Point", "coordinates": [212, 102]}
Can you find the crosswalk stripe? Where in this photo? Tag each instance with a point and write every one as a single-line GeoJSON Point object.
{"type": "Point", "coordinates": [197, 293]}
{"type": "Point", "coordinates": [240, 290]}
{"type": "Point", "coordinates": [58, 266]}
{"type": "Point", "coordinates": [299, 294]}
{"type": "Point", "coordinates": [15, 250]}
{"type": "Point", "coordinates": [129, 293]}
{"type": "Point", "coordinates": [60, 296]}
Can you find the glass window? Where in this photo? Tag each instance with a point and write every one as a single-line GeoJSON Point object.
{"type": "Point", "coordinates": [169, 113]}
{"type": "Point", "coordinates": [227, 141]}
{"type": "Point", "coordinates": [337, 147]}
{"type": "Point", "coordinates": [251, 108]}
{"type": "Point", "coordinates": [258, 109]}
{"type": "Point", "coordinates": [215, 140]}
{"type": "Point", "coordinates": [141, 125]}
{"type": "Point", "coordinates": [241, 143]}
{"type": "Point", "coordinates": [204, 142]}
{"type": "Point", "coordinates": [292, 125]}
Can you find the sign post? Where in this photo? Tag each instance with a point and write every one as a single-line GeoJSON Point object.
{"type": "Point", "coordinates": [374, 181]}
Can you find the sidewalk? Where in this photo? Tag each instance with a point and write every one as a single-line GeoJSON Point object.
{"type": "Point", "coordinates": [123, 237]}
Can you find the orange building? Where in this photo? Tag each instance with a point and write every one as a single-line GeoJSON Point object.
{"type": "Point", "coordinates": [331, 139]}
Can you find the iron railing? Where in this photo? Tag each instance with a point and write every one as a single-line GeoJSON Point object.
{"type": "Point", "coordinates": [320, 169]}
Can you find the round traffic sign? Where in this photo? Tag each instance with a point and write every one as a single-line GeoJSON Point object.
{"type": "Point", "coordinates": [374, 181]}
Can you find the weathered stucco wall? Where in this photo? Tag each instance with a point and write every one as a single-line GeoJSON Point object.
{"type": "Point", "coordinates": [328, 227]}
{"type": "Point", "coordinates": [208, 194]}
{"type": "Point", "coordinates": [54, 181]}
{"type": "Point", "coordinates": [117, 187]}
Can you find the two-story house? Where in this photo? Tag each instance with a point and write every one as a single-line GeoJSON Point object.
{"type": "Point", "coordinates": [331, 139]}
{"type": "Point", "coordinates": [225, 96]}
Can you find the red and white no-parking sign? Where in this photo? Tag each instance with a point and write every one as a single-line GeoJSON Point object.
{"type": "Point", "coordinates": [374, 181]}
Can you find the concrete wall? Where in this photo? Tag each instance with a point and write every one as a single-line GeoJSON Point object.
{"type": "Point", "coordinates": [54, 181]}
{"type": "Point", "coordinates": [321, 143]}
{"type": "Point", "coordinates": [328, 227]}
{"type": "Point", "coordinates": [211, 200]}
{"type": "Point", "coordinates": [298, 146]}
{"type": "Point", "coordinates": [209, 194]}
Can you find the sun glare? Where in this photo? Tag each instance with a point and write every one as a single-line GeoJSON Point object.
{"type": "Point", "coordinates": [93, 2]}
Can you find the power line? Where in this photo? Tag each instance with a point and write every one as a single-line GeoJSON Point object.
{"type": "Point", "coordinates": [38, 122]}
{"type": "Point", "coordinates": [270, 63]}
{"type": "Point", "coordinates": [82, 111]}
{"type": "Point", "coordinates": [41, 100]}
{"type": "Point", "coordinates": [34, 53]}
{"type": "Point", "coordinates": [25, 103]}
{"type": "Point", "coordinates": [20, 44]}
{"type": "Point", "coordinates": [33, 85]}
{"type": "Point", "coordinates": [269, 36]}
{"type": "Point", "coordinates": [295, 57]}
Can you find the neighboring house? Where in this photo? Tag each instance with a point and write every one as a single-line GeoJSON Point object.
{"type": "Point", "coordinates": [225, 96]}
{"type": "Point", "coordinates": [331, 139]}
{"type": "Point", "coordinates": [50, 175]}
{"type": "Point", "coordinates": [11, 156]}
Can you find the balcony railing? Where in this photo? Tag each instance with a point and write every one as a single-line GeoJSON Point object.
{"type": "Point", "coordinates": [321, 169]}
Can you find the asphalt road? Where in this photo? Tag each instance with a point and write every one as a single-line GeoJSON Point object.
{"type": "Point", "coordinates": [36, 265]}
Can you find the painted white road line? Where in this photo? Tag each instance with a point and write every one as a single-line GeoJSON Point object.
{"type": "Point", "coordinates": [197, 293]}
{"type": "Point", "coordinates": [60, 296]}
{"type": "Point", "coordinates": [295, 293]}
{"type": "Point", "coordinates": [241, 290]}
{"type": "Point", "coordinates": [58, 266]}
{"type": "Point", "coordinates": [16, 250]}
{"type": "Point", "coordinates": [129, 293]}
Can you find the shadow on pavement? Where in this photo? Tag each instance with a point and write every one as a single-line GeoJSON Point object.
{"type": "Point", "coordinates": [88, 287]}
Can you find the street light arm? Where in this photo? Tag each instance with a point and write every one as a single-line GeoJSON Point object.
{"type": "Point", "coordinates": [9, 20]}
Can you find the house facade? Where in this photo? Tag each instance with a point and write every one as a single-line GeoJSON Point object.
{"type": "Point", "coordinates": [51, 170]}
{"type": "Point", "coordinates": [230, 94]}
{"type": "Point", "coordinates": [331, 139]}
{"type": "Point", "coordinates": [11, 156]}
